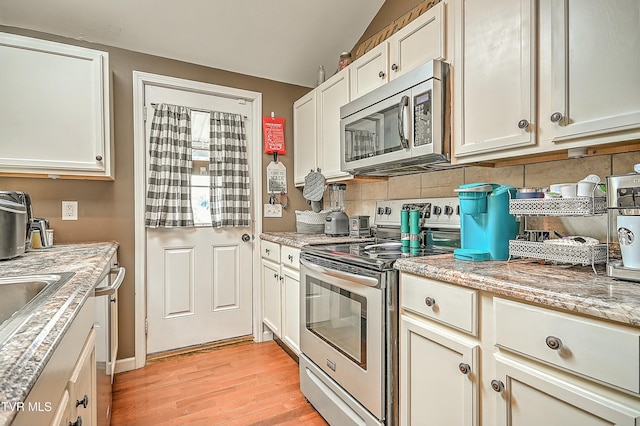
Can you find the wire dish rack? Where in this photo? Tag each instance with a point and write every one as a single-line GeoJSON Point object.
{"type": "Point", "coordinates": [576, 206]}
{"type": "Point", "coordinates": [584, 255]}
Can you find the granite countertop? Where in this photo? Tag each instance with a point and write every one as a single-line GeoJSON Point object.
{"type": "Point", "coordinates": [576, 289]}
{"type": "Point", "coordinates": [24, 356]}
{"type": "Point", "coordinates": [294, 239]}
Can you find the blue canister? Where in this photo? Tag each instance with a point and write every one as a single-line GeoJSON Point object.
{"type": "Point", "coordinates": [414, 229]}
{"type": "Point", "coordinates": [404, 227]}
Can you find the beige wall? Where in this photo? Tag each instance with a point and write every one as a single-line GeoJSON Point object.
{"type": "Point", "coordinates": [106, 209]}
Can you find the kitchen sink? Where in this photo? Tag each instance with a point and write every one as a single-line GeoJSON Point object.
{"type": "Point", "coordinates": [21, 296]}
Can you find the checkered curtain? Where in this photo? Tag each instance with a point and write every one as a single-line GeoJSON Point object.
{"type": "Point", "coordinates": [170, 168]}
{"type": "Point", "coordinates": [229, 171]}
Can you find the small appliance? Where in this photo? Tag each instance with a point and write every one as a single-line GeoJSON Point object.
{"type": "Point", "coordinates": [485, 223]}
{"type": "Point", "coordinates": [359, 226]}
{"type": "Point", "coordinates": [399, 128]}
{"type": "Point", "coordinates": [623, 235]}
{"type": "Point", "coordinates": [337, 222]}
{"type": "Point", "coordinates": [15, 213]}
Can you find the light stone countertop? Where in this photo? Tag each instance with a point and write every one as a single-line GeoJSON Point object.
{"type": "Point", "coordinates": [576, 289]}
{"type": "Point", "coordinates": [294, 239]}
{"type": "Point", "coordinates": [24, 356]}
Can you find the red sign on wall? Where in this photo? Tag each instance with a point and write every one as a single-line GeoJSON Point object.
{"type": "Point", "coordinates": [273, 130]}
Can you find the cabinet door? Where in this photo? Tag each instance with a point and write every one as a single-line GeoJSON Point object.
{"type": "Point", "coordinates": [62, 415]}
{"type": "Point", "coordinates": [82, 384]}
{"type": "Point", "coordinates": [438, 376]}
{"type": "Point", "coordinates": [530, 397]}
{"type": "Point", "coordinates": [494, 76]}
{"type": "Point", "coordinates": [418, 42]}
{"type": "Point", "coordinates": [271, 298]}
{"type": "Point", "coordinates": [55, 101]}
{"type": "Point", "coordinates": [291, 309]}
{"type": "Point", "coordinates": [304, 137]}
{"type": "Point", "coordinates": [331, 95]}
{"type": "Point", "coordinates": [370, 71]}
{"type": "Point", "coordinates": [590, 63]}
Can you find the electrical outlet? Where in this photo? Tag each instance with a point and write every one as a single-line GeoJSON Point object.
{"type": "Point", "coordinates": [273, 210]}
{"type": "Point", "coordinates": [69, 210]}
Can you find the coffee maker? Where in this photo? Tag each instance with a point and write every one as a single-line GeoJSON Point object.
{"type": "Point", "coordinates": [337, 222]}
{"type": "Point", "coordinates": [485, 223]}
{"type": "Point", "coordinates": [623, 229]}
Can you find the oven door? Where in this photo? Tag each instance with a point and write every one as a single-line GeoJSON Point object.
{"type": "Point", "coordinates": [342, 329]}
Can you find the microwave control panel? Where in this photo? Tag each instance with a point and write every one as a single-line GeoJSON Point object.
{"type": "Point", "coordinates": [423, 122]}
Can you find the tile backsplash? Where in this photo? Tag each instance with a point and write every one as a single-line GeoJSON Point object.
{"type": "Point", "coordinates": [361, 196]}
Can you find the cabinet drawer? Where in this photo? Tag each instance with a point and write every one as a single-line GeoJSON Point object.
{"type": "Point", "coordinates": [602, 351]}
{"type": "Point", "coordinates": [271, 251]}
{"type": "Point", "coordinates": [446, 303]}
{"type": "Point", "coordinates": [290, 257]}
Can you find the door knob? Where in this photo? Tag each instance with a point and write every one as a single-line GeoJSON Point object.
{"type": "Point", "coordinates": [246, 238]}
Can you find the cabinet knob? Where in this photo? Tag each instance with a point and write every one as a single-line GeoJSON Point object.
{"type": "Point", "coordinates": [430, 301]}
{"type": "Point", "coordinates": [113, 300]}
{"type": "Point", "coordinates": [523, 124]}
{"type": "Point", "coordinates": [281, 277]}
{"type": "Point", "coordinates": [98, 157]}
{"type": "Point", "coordinates": [290, 257]}
{"type": "Point", "coordinates": [554, 343]}
{"type": "Point", "coordinates": [275, 276]}
{"type": "Point", "coordinates": [381, 74]}
{"type": "Point", "coordinates": [84, 402]}
{"type": "Point", "coordinates": [497, 385]}
{"type": "Point", "coordinates": [394, 67]}
{"type": "Point", "coordinates": [555, 117]}
{"type": "Point", "coordinates": [267, 251]}
{"type": "Point", "coordinates": [464, 368]}
{"type": "Point", "coordinates": [78, 422]}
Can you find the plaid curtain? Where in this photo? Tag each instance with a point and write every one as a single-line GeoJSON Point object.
{"type": "Point", "coordinates": [170, 168]}
{"type": "Point", "coordinates": [229, 171]}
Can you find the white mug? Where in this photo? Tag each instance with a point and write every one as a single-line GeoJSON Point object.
{"type": "Point", "coordinates": [628, 235]}
{"type": "Point", "coordinates": [586, 188]}
{"type": "Point", "coordinates": [568, 190]}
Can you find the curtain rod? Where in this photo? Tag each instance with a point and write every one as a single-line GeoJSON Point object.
{"type": "Point", "coordinates": [200, 110]}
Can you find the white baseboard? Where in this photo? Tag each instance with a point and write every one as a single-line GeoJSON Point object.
{"type": "Point", "coordinates": [126, 364]}
{"type": "Point", "coordinates": [267, 335]}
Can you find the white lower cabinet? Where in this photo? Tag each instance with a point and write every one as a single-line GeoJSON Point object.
{"type": "Point", "coordinates": [439, 385]}
{"type": "Point", "coordinates": [281, 292]}
{"type": "Point", "coordinates": [528, 365]}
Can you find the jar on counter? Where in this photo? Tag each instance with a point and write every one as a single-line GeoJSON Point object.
{"type": "Point", "coordinates": [345, 60]}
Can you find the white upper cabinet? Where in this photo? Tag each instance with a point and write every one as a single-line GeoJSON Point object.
{"type": "Point", "coordinates": [494, 70]}
{"type": "Point", "coordinates": [578, 88]}
{"type": "Point", "coordinates": [54, 109]}
{"type": "Point", "coordinates": [589, 68]}
{"type": "Point", "coordinates": [331, 95]}
{"type": "Point", "coordinates": [422, 40]}
{"type": "Point", "coordinates": [304, 137]}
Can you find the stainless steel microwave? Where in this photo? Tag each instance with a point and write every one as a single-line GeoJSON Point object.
{"type": "Point", "coordinates": [399, 128]}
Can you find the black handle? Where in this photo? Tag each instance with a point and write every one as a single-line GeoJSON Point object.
{"type": "Point", "coordinates": [78, 422]}
{"type": "Point", "coordinates": [84, 402]}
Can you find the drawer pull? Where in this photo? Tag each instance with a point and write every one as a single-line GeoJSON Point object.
{"type": "Point", "coordinates": [84, 402]}
{"type": "Point", "coordinates": [464, 368]}
{"type": "Point", "coordinates": [554, 343]}
{"type": "Point", "coordinates": [497, 385]}
{"type": "Point", "coordinates": [267, 251]}
{"type": "Point", "coordinates": [78, 422]}
{"type": "Point", "coordinates": [430, 301]}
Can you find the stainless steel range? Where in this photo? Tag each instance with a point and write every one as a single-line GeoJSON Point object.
{"type": "Point", "coordinates": [349, 313]}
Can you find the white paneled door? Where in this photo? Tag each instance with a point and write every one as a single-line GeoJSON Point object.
{"type": "Point", "coordinates": [199, 279]}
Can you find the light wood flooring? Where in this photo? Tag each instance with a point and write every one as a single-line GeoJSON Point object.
{"type": "Point", "coordinates": [244, 384]}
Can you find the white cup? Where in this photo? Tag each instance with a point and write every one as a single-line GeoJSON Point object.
{"type": "Point", "coordinates": [628, 235]}
{"type": "Point", "coordinates": [568, 190]}
{"type": "Point", "coordinates": [586, 188]}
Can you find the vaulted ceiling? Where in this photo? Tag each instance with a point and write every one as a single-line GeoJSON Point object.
{"type": "Point", "coordinates": [282, 40]}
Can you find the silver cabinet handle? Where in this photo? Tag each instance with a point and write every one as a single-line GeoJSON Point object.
{"type": "Point", "coordinates": [497, 385]}
{"type": "Point", "coordinates": [430, 301]}
{"type": "Point", "coordinates": [381, 74]}
{"type": "Point", "coordinates": [104, 291]}
{"type": "Point", "coordinates": [556, 117]}
{"type": "Point", "coordinates": [394, 67]}
{"type": "Point", "coordinates": [523, 124]}
{"type": "Point", "coordinates": [464, 368]}
{"type": "Point", "coordinates": [553, 343]}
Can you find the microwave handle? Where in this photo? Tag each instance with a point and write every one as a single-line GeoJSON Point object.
{"type": "Point", "coordinates": [402, 120]}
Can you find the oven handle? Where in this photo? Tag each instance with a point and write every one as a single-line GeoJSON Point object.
{"type": "Point", "coordinates": [368, 281]}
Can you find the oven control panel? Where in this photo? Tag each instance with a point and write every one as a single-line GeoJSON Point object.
{"type": "Point", "coordinates": [443, 212]}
